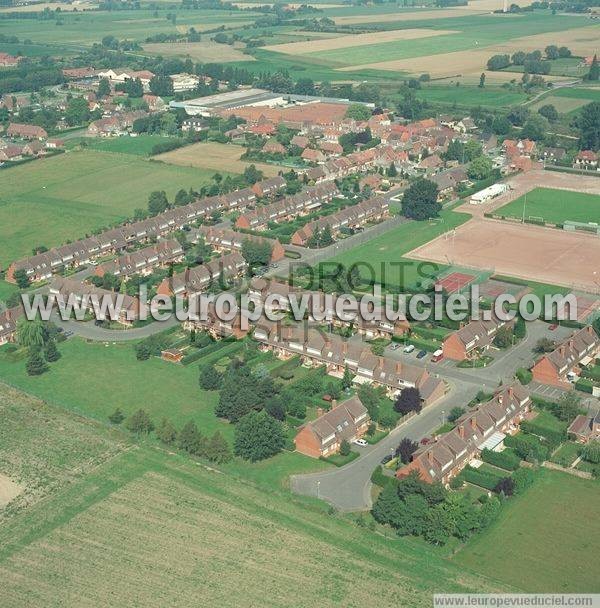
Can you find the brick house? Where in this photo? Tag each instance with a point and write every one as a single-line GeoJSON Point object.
{"type": "Point", "coordinates": [586, 160]}
{"type": "Point", "coordinates": [346, 421]}
{"type": "Point", "coordinates": [483, 427]}
{"type": "Point", "coordinates": [472, 339]}
{"type": "Point", "coordinates": [580, 349]}
{"type": "Point", "coordinates": [269, 187]}
{"type": "Point", "coordinates": [8, 323]}
{"type": "Point", "coordinates": [585, 428]}
{"type": "Point", "coordinates": [26, 131]}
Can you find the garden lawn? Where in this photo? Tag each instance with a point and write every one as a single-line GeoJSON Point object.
{"type": "Point", "coordinates": [7, 289]}
{"type": "Point", "coordinates": [49, 201]}
{"type": "Point", "coordinates": [545, 540]}
{"type": "Point", "coordinates": [555, 206]}
{"type": "Point", "coordinates": [93, 379]}
{"type": "Point", "coordinates": [384, 254]}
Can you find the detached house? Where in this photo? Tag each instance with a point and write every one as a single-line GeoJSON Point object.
{"type": "Point", "coordinates": [346, 421]}
{"type": "Point", "coordinates": [8, 323]}
{"type": "Point", "coordinates": [484, 427]}
{"type": "Point", "coordinates": [580, 349]}
{"type": "Point", "coordinates": [586, 160]}
{"type": "Point", "coordinates": [585, 428]}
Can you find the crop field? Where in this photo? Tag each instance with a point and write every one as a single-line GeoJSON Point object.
{"type": "Point", "coordinates": [214, 157]}
{"type": "Point", "coordinates": [564, 105]}
{"type": "Point", "coordinates": [385, 254]}
{"type": "Point", "coordinates": [43, 449]}
{"type": "Point", "coordinates": [494, 97]}
{"type": "Point", "coordinates": [69, 195]}
{"type": "Point", "coordinates": [544, 541]}
{"type": "Point", "coordinates": [193, 535]}
{"type": "Point", "coordinates": [586, 93]}
{"type": "Point", "coordinates": [205, 51]}
{"type": "Point", "coordinates": [554, 206]}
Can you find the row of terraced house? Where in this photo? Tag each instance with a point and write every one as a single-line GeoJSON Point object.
{"type": "Point", "coordinates": [317, 348]}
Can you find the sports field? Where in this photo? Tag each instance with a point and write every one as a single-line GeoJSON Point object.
{"type": "Point", "coordinates": [52, 200]}
{"type": "Point", "coordinates": [215, 157]}
{"type": "Point", "coordinates": [554, 206]}
{"type": "Point", "coordinates": [383, 259]}
{"type": "Point", "coordinates": [544, 541]}
{"type": "Point", "coordinates": [518, 250]}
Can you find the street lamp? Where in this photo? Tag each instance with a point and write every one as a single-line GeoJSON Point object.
{"type": "Point", "coordinates": [319, 489]}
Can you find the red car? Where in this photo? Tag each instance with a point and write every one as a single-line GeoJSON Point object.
{"type": "Point", "coordinates": [553, 326]}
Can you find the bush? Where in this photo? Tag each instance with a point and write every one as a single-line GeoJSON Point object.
{"type": "Point", "coordinates": [527, 447]}
{"type": "Point", "coordinates": [505, 460]}
{"type": "Point", "coordinates": [480, 478]}
{"type": "Point", "coordinates": [380, 479]}
{"type": "Point", "coordinates": [522, 479]}
{"type": "Point", "coordinates": [553, 436]}
{"type": "Point", "coordinates": [524, 376]}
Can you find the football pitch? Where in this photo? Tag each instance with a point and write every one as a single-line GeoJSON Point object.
{"type": "Point", "coordinates": [554, 206]}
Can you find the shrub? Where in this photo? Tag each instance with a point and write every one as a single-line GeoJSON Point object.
{"type": "Point", "coordinates": [480, 478]}
{"type": "Point", "coordinates": [504, 460]}
{"type": "Point", "coordinates": [524, 376]}
{"type": "Point", "coordinates": [527, 447]}
{"type": "Point", "coordinates": [522, 479]}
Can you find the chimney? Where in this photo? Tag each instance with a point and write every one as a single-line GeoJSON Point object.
{"type": "Point", "coordinates": [320, 411]}
{"type": "Point", "coordinates": [430, 456]}
{"type": "Point", "coordinates": [511, 391]}
{"type": "Point", "coordinates": [333, 403]}
{"type": "Point", "coordinates": [461, 431]}
{"type": "Point", "coordinates": [500, 398]}
{"type": "Point", "coordinates": [474, 422]}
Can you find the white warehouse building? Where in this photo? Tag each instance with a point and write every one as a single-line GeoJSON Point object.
{"type": "Point", "coordinates": [489, 193]}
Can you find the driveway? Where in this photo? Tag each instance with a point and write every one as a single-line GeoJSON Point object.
{"type": "Point", "coordinates": [348, 488]}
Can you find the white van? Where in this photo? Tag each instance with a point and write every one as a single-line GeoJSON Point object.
{"type": "Point", "coordinates": [409, 348]}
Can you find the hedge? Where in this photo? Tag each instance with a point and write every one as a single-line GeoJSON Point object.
{"type": "Point", "coordinates": [524, 376]}
{"type": "Point", "coordinates": [553, 436]}
{"type": "Point", "coordinates": [505, 460]}
{"type": "Point", "coordinates": [480, 478]}
{"type": "Point", "coordinates": [584, 385]}
{"type": "Point", "coordinates": [380, 479]}
{"type": "Point", "coordinates": [211, 348]}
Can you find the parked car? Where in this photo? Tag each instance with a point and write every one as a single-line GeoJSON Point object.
{"type": "Point", "coordinates": [395, 346]}
{"type": "Point", "coordinates": [361, 442]}
{"type": "Point", "coordinates": [553, 326]}
{"type": "Point", "coordinates": [409, 348]}
{"type": "Point", "coordinates": [421, 354]}
{"type": "Point", "coordinates": [424, 441]}
{"type": "Point", "coordinates": [438, 355]}
{"type": "Point", "coordinates": [386, 459]}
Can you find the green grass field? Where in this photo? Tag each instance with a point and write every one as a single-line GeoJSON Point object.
{"type": "Point", "coordinates": [385, 253]}
{"type": "Point", "coordinates": [544, 541]}
{"type": "Point", "coordinates": [555, 206]}
{"type": "Point", "coordinates": [49, 201]}
{"type": "Point", "coordinates": [115, 510]}
{"type": "Point", "coordinates": [491, 97]}
{"type": "Point", "coordinates": [587, 93]}
{"type": "Point", "coordinates": [139, 146]}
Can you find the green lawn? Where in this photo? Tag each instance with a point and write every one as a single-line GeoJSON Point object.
{"type": "Point", "coordinates": [52, 200]}
{"type": "Point", "coordinates": [555, 206]}
{"type": "Point", "coordinates": [588, 93]}
{"type": "Point", "coordinates": [545, 540]}
{"type": "Point", "coordinates": [7, 289]}
{"type": "Point", "coordinates": [493, 97]}
{"type": "Point", "coordinates": [384, 254]}
{"type": "Point", "coordinates": [139, 146]}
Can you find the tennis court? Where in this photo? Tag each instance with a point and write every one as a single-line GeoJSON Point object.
{"type": "Point", "coordinates": [493, 288]}
{"type": "Point", "coordinates": [587, 306]}
{"type": "Point", "coordinates": [455, 281]}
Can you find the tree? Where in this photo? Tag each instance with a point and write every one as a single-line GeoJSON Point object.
{"type": "Point", "coordinates": [117, 416]}
{"type": "Point", "coordinates": [482, 80]}
{"type": "Point", "coordinates": [358, 111]}
{"type": "Point", "coordinates": [211, 378]}
{"type": "Point", "coordinates": [588, 124]}
{"type": "Point", "coordinates": [21, 278]}
{"type": "Point", "coordinates": [480, 168]}
{"type": "Point", "coordinates": [408, 401]}
{"type": "Point", "coordinates": [32, 334]}
{"type": "Point", "coordinates": [568, 407]}
{"type": "Point", "coordinates": [103, 88]}
{"type": "Point", "coordinates": [161, 86]}
{"type": "Point", "coordinates": [504, 337]}
{"type": "Point", "coordinates": [498, 62]}
{"type": "Point", "coordinates": [218, 450]}
{"type": "Point", "coordinates": [591, 452]}
{"type": "Point", "coordinates": [594, 73]}
{"type": "Point", "coordinates": [77, 112]}
{"type": "Point", "coordinates": [391, 170]}
{"type": "Point", "coordinates": [564, 51]}
{"type": "Point", "coordinates": [439, 526]}
{"type": "Point", "coordinates": [157, 202]}
{"type": "Point", "coordinates": [139, 422]}
{"type": "Point", "coordinates": [420, 200]}
{"type": "Point", "coordinates": [505, 486]}
{"type": "Point", "coordinates": [501, 125]}
{"type": "Point", "coordinates": [344, 448]}
{"type": "Point", "coordinates": [51, 353]}
{"type": "Point", "coordinates": [549, 111]}
{"type": "Point", "coordinates": [406, 449]}
{"type": "Point", "coordinates": [518, 58]}
{"type": "Point", "coordinates": [257, 252]}
{"type": "Point", "coordinates": [258, 436]}
{"type": "Point", "coordinates": [182, 198]}
{"type": "Point", "coordinates": [304, 86]}
{"type": "Point", "coordinates": [455, 413]}
{"type": "Point", "coordinates": [544, 345]}
{"type": "Point", "coordinates": [166, 432]}
{"type": "Point", "coordinates": [552, 52]}
{"type": "Point", "coordinates": [520, 329]}
{"type": "Point", "coordinates": [36, 365]}
{"type": "Point", "coordinates": [347, 378]}
{"type": "Point", "coordinates": [191, 440]}
{"type": "Point", "coordinates": [388, 508]}
{"type": "Point", "coordinates": [252, 174]}
{"type": "Point", "coordinates": [535, 127]}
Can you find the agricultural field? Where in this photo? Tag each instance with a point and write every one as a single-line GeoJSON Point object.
{"type": "Point", "coordinates": [52, 200]}
{"type": "Point", "coordinates": [214, 157]}
{"type": "Point", "coordinates": [554, 206]}
{"type": "Point", "coordinates": [43, 449]}
{"type": "Point", "coordinates": [139, 146]}
{"type": "Point", "coordinates": [543, 541]}
{"type": "Point", "coordinates": [153, 517]}
{"type": "Point", "coordinates": [385, 253]}
{"type": "Point", "coordinates": [491, 97]}
{"type": "Point", "coordinates": [205, 51]}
